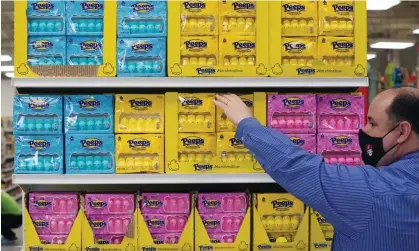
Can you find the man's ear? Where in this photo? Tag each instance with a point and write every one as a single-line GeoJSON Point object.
{"type": "Point", "coordinates": [405, 129]}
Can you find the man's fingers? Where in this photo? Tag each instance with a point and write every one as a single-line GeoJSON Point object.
{"type": "Point", "coordinates": [219, 104]}
{"type": "Point", "coordinates": [235, 97]}
{"type": "Point", "coordinates": [222, 99]}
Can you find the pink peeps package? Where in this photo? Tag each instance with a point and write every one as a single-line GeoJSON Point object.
{"type": "Point", "coordinates": [162, 203]}
{"type": "Point", "coordinates": [292, 113]}
{"type": "Point", "coordinates": [222, 223]}
{"type": "Point", "coordinates": [340, 113]}
{"type": "Point", "coordinates": [109, 239]}
{"type": "Point", "coordinates": [109, 204]}
{"type": "Point", "coordinates": [53, 203]}
{"type": "Point", "coordinates": [339, 148]}
{"type": "Point", "coordinates": [165, 223]}
{"type": "Point", "coordinates": [52, 239]}
{"type": "Point", "coordinates": [109, 224]}
{"type": "Point", "coordinates": [47, 224]}
{"type": "Point", "coordinates": [222, 238]}
{"type": "Point", "coordinates": [222, 203]}
{"type": "Point", "coordinates": [169, 238]}
{"type": "Point", "coordinates": [306, 141]}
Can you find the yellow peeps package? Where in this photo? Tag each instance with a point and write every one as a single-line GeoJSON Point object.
{"type": "Point", "coordinates": [196, 147]}
{"type": "Point", "coordinates": [321, 231]}
{"type": "Point", "coordinates": [199, 50]}
{"type": "Point", "coordinates": [299, 18]}
{"type": "Point", "coordinates": [299, 51]}
{"type": "Point", "coordinates": [237, 50]}
{"type": "Point", "coordinates": [222, 123]}
{"type": "Point", "coordinates": [279, 204]}
{"type": "Point", "coordinates": [337, 50]}
{"type": "Point", "coordinates": [199, 8]}
{"type": "Point", "coordinates": [336, 18]}
{"type": "Point", "coordinates": [231, 149]}
{"type": "Point", "coordinates": [139, 153]}
{"type": "Point", "coordinates": [199, 17]}
{"type": "Point", "coordinates": [139, 113]}
{"type": "Point", "coordinates": [238, 17]}
{"type": "Point", "coordinates": [196, 112]}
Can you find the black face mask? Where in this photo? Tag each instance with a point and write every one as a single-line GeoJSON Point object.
{"type": "Point", "coordinates": [372, 147]}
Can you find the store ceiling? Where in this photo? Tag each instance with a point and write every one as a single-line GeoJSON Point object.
{"type": "Point", "coordinates": [396, 23]}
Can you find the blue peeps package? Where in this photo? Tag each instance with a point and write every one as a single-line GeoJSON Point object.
{"type": "Point", "coordinates": [90, 153]}
{"type": "Point", "coordinates": [44, 50]}
{"type": "Point", "coordinates": [84, 17]}
{"type": "Point", "coordinates": [46, 17]}
{"type": "Point", "coordinates": [141, 57]}
{"type": "Point", "coordinates": [37, 114]}
{"type": "Point", "coordinates": [39, 154]}
{"type": "Point", "coordinates": [88, 114]}
{"type": "Point", "coordinates": [85, 50]}
{"type": "Point", "coordinates": [142, 19]}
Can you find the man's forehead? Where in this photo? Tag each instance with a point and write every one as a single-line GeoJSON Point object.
{"type": "Point", "coordinates": [380, 104]}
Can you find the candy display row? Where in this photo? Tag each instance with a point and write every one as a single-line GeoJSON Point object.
{"type": "Point", "coordinates": [51, 224]}
{"type": "Point", "coordinates": [109, 224]}
{"type": "Point", "coordinates": [92, 162]}
{"type": "Point", "coordinates": [165, 203]}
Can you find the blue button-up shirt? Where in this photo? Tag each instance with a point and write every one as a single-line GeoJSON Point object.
{"type": "Point", "coordinates": [371, 209]}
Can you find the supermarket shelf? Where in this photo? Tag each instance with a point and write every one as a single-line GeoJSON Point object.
{"type": "Point", "coordinates": [187, 82]}
{"type": "Point", "coordinates": [108, 179]}
{"type": "Point", "coordinates": [11, 188]}
{"type": "Point", "coordinates": [6, 170]}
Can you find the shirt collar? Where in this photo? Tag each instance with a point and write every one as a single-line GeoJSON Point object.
{"type": "Point", "coordinates": [412, 155]}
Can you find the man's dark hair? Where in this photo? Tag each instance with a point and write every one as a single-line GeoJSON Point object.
{"type": "Point", "coordinates": [405, 107]}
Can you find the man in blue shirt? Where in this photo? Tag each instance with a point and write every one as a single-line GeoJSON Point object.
{"type": "Point", "coordinates": [372, 208]}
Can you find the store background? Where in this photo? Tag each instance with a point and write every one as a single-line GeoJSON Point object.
{"type": "Point", "coordinates": [397, 23]}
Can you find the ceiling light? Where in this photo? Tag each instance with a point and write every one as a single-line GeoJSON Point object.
{"type": "Point", "coordinates": [381, 5]}
{"type": "Point", "coordinates": [5, 58]}
{"type": "Point", "coordinates": [7, 68]}
{"type": "Point", "coordinates": [10, 75]}
{"type": "Point", "coordinates": [392, 45]}
{"type": "Point", "coordinates": [371, 56]}
{"type": "Point", "coordinates": [416, 31]}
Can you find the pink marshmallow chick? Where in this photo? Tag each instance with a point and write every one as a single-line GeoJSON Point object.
{"type": "Point", "coordinates": [282, 123]}
{"type": "Point", "coordinates": [332, 123]}
{"type": "Point", "coordinates": [290, 123]}
{"type": "Point", "coordinates": [342, 160]}
{"type": "Point", "coordinates": [333, 160]}
{"type": "Point", "coordinates": [349, 161]}
{"type": "Point", "coordinates": [298, 123]}
{"type": "Point", "coordinates": [274, 123]}
{"type": "Point", "coordinates": [340, 124]}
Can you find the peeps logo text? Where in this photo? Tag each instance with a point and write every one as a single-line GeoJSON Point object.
{"type": "Point", "coordinates": [102, 241]}
{"type": "Point", "coordinates": [244, 45]}
{"type": "Point", "coordinates": [142, 7]}
{"type": "Point", "coordinates": [202, 167]}
{"type": "Point", "coordinates": [210, 223]}
{"type": "Point", "coordinates": [140, 103]}
{"type": "Point", "coordinates": [194, 6]}
{"type": "Point", "coordinates": [305, 71]}
{"type": "Point", "coordinates": [39, 144]}
{"type": "Point", "coordinates": [157, 241]}
{"type": "Point", "coordinates": [91, 143]}
{"type": "Point", "coordinates": [88, 103]}
{"type": "Point", "coordinates": [293, 8]}
{"type": "Point", "coordinates": [42, 45]}
{"type": "Point", "coordinates": [155, 223]}
{"type": "Point", "coordinates": [293, 102]}
{"type": "Point", "coordinates": [40, 223]}
{"type": "Point", "coordinates": [205, 71]}
{"type": "Point", "coordinates": [97, 224]}
{"type": "Point", "coordinates": [152, 203]}
{"type": "Point", "coordinates": [294, 47]}
{"type": "Point", "coordinates": [236, 143]}
{"type": "Point", "coordinates": [282, 204]}
{"type": "Point", "coordinates": [248, 103]}
{"type": "Point", "coordinates": [320, 245]}
{"type": "Point", "coordinates": [343, 8]}
{"type": "Point", "coordinates": [195, 45]}
{"type": "Point", "coordinates": [90, 45]}
{"type": "Point", "coordinates": [243, 6]}
{"type": "Point", "coordinates": [149, 249]}
{"type": "Point", "coordinates": [205, 247]}
{"type": "Point", "coordinates": [38, 105]}
{"type": "Point", "coordinates": [41, 204]}
{"type": "Point", "coordinates": [92, 249]}
{"type": "Point", "coordinates": [142, 46]}
{"type": "Point", "coordinates": [91, 6]}
{"type": "Point", "coordinates": [97, 204]}
{"type": "Point", "coordinates": [192, 102]}
{"type": "Point", "coordinates": [193, 142]}
{"type": "Point", "coordinates": [42, 6]}
{"type": "Point", "coordinates": [297, 140]}
{"type": "Point", "coordinates": [341, 141]}
{"type": "Point", "coordinates": [264, 247]}
{"type": "Point", "coordinates": [36, 248]}
{"type": "Point", "coordinates": [342, 45]}
{"type": "Point", "coordinates": [138, 144]}
{"type": "Point", "coordinates": [211, 203]}
{"type": "Point", "coordinates": [339, 104]}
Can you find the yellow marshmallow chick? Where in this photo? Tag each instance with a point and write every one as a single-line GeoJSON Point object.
{"type": "Point", "coordinates": [281, 239]}
{"type": "Point", "coordinates": [270, 221]}
{"type": "Point", "coordinates": [286, 222]}
{"type": "Point", "coordinates": [295, 220]}
{"type": "Point", "coordinates": [278, 223]}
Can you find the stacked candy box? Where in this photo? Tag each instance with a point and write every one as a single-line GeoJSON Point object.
{"type": "Point", "coordinates": [299, 51]}
{"type": "Point", "coordinates": [196, 147]}
{"type": "Point", "coordinates": [165, 215]}
{"type": "Point", "coordinates": [222, 214]}
{"type": "Point", "coordinates": [292, 113]}
{"type": "Point", "coordinates": [339, 148]}
{"type": "Point", "coordinates": [222, 123]}
{"type": "Point", "coordinates": [45, 17]}
{"type": "Point", "coordinates": [336, 18]}
{"type": "Point", "coordinates": [340, 113]}
{"type": "Point", "coordinates": [197, 50]}
{"type": "Point", "coordinates": [109, 216]}
{"type": "Point", "coordinates": [306, 141]}
{"type": "Point", "coordinates": [231, 149]}
{"type": "Point", "coordinates": [325, 225]}
{"type": "Point", "coordinates": [196, 112]}
{"type": "Point", "coordinates": [338, 51]}
{"type": "Point", "coordinates": [84, 50]}
{"type": "Point", "coordinates": [199, 18]}
{"type": "Point", "coordinates": [88, 114]}
{"type": "Point", "coordinates": [53, 215]}
{"type": "Point", "coordinates": [84, 17]}
{"type": "Point", "coordinates": [299, 18]}
{"type": "Point", "coordinates": [47, 50]}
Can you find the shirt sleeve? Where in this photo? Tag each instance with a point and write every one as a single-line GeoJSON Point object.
{"type": "Point", "coordinates": [340, 193]}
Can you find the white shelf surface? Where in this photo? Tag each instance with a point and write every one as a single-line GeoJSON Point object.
{"type": "Point", "coordinates": [115, 179]}
{"type": "Point", "coordinates": [187, 82]}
